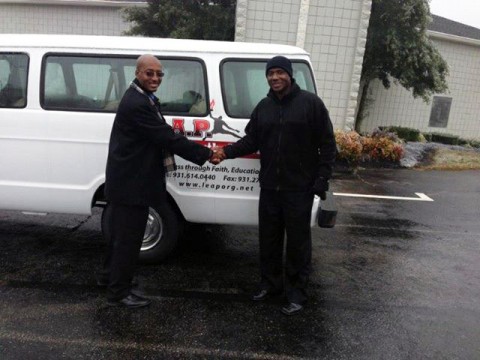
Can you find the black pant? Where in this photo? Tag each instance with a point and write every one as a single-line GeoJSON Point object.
{"type": "Point", "coordinates": [289, 211]}
{"type": "Point", "coordinates": [127, 227]}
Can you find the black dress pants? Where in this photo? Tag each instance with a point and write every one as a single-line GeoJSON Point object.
{"type": "Point", "coordinates": [127, 226]}
{"type": "Point", "coordinates": [290, 212]}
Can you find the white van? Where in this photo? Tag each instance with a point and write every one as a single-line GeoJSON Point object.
{"type": "Point", "coordinates": [58, 97]}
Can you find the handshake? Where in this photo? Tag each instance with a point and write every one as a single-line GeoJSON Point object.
{"type": "Point", "coordinates": [218, 155]}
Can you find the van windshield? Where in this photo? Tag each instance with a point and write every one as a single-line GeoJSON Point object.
{"type": "Point", "coordinates": [244, 84]}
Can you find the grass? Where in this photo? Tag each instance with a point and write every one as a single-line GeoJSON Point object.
{"type": "Point", "coordinates": [448, 159]}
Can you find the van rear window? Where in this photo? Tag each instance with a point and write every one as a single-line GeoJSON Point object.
{"type": "Point", "coordinates": [94, 83]}
{"type": "Point", "coordinates": [13, 80]}
{"type": "Point", "coordinates": [244, 84]}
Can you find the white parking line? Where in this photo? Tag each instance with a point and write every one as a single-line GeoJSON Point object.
{"type": "Point", "coordinates": [420, 196]}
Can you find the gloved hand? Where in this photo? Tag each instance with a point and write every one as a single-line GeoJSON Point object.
{"type": "Point", "coordinates": [320, 187]}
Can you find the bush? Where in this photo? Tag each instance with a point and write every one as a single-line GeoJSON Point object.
{"type": "Point", "coordinates": [474, 143]}
{"type": "Point", "coordinates": [451, 140]}
{"type": "Point", "coordinates": [349, 146]}
{"type": "Point", "coordinates": [382, 148]}
{"type": "Point", "coordinates": [410, 134]}
{"type": "Point", "coordinates": [442, 138]}
{"type": "Point", "coordinates": [381, 145]}
{"type": "Point", "coordinates": [384, 133]}
{"type": "Point", "coordinates": [404, 133]}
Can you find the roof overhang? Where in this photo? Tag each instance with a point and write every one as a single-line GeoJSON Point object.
{"type": "Point", "coordinates": [453, 38]}
{"type": "Point", "coordinates": [103, 3]}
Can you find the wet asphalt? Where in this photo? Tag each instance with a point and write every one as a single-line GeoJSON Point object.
{"type": "Point", "coordinates": [395, 279]}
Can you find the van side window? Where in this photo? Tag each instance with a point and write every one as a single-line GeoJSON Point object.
{"type": "Point", "coordinates": [94, 83]}
{"type": "Point", "coordinates": [84, 83]}
{"type": "Point", "coordinates": [55, 80]}
{"type": "Point", "coordinates": [244, 84]}
{"type": "Point", "coordinates": [183, 88]}
{"type": "Point", "coordinates": [13, 80]}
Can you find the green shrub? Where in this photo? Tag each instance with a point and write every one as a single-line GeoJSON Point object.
{"type": "Point", "coordinates": [443, 138]}
{"type": "Point", "coordinates": [450, 140]}
{"type": "Point", "coordinates": [404, 133]}
{"type": "Point", "coordinates": [474, 143]}
{"type": "Point", "coordinates": [427, 136]}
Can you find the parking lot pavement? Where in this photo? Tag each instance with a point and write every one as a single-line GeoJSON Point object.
{"type": "Point", "coordinates": [395, 279]}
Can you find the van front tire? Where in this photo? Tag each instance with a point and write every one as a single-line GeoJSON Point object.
{"type": "Point", "coordinates": [161, 236]}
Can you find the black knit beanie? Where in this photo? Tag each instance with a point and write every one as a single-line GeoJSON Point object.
{"type": "Point", "coordinates": [280, 62]}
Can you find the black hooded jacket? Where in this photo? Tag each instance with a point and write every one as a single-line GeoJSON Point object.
{"type": "Point", "coordinates": [295, 138]}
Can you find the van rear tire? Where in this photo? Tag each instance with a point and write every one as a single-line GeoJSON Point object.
{"type": "Point", "coordinates": [162, 233]}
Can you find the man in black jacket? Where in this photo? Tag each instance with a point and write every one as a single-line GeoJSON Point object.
{"type": "Point", "coordinates": [292, 129]}
{"type": "Point", "coordinates": [140, 154]}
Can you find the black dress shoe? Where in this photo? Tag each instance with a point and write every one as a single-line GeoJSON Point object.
{"type": "Point", "coordinates": [130, 301]}
{"type": "Point", "coordinates": [292, 309]}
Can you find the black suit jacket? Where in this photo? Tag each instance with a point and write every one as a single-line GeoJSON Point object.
{"type": "Point", "coordinates": [135, 173]}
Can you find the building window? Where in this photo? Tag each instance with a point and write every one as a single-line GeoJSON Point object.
{"type": "Point", "coordinates": [440, 111]}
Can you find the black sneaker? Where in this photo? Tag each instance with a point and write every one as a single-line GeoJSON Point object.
{"type": "Point", "coordinates": [263, 294]}
{"type": "Point", "coordinates": [260, 295]}
{"type": "Point", "coordinates": [131, 301]}
{"type": "Point", "coordinates": [292, 309]}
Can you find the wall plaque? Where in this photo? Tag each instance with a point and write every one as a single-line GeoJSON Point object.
{"type": "Point", "coordinates": [440, 111]}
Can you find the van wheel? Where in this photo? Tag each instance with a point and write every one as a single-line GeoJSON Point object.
{"type": "Point", "coordinates": [161, 236]}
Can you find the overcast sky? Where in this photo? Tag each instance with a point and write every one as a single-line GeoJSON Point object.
{"type": "Point", "coordinates": [464, 11]}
